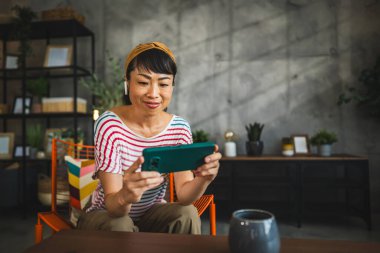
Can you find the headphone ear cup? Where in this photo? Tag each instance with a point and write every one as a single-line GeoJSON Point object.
{"type": "Point", "coordinates": [125, 88]}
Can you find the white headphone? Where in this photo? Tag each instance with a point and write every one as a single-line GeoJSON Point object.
{"type": "Point", "coordinates": [125, 88]}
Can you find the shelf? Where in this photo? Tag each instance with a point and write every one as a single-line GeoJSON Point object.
{"type": "Point", "coordinates": [27, 160]}
{"type": "Point", "coordinates": [37, 72]}
{"type": "Point", "coordinates": [47, 32]}
{"type": "Point", "coordinates": [329, 208]}
{"type": "Point", "coordinates": [325, 183]}
{"type": "Point", "coordinates": [46, 115]}
{"type": "Point", "coordinates": [49, 29]}
{"type": "Point", "coordinates": [311, 158]}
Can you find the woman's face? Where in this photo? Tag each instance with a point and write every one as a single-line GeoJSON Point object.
{"type": "Point", "coordinates": [149, 91]}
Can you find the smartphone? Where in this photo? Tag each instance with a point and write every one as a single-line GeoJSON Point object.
{"type": "Point", "coordinates": [176, 158]}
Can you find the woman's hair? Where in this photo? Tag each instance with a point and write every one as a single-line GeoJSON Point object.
{"type": "Point", "coordinates": [154, 60]}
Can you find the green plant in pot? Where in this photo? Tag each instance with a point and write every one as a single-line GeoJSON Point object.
{"type": "Point", "coordinates": [69, 134]}
{"type": "Point", "coordinates": [314, 146]}
{"type": "Point", "coordinates": [107, 95]}
{"type": "Point", "coordinates": [22, 29]}
{"type": "Point", "coordinates": [34, 137]}
{"type": "Point", "coordinates": [324, 139]}
{"type": "Point", "coordinates": [39, 89]}
{"type": "Point", "coordinates": [254, 145]}
{"type": "Point", "coordinates": [368, 94]}
{"type": "Point", "coordinates": [200, 136]}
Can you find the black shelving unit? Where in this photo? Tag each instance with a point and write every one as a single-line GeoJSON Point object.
{"type": "Point", "coordinates": [44, 30]}
{"type": "Point", "coordinates": [297, 186]}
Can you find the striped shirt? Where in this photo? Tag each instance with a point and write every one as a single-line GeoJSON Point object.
{"type": "Point", "coordinates": [117, 147]}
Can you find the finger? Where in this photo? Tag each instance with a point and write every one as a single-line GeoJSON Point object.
{"type": "Point", "coordinates": [149, 174]}
{"type": "Point", "coordinates": [152, 186]}
{"type": "Point", "coordinates": [216, 148]}
{"type": "Point", "coordinates": [142, 175]}
{"type": "Point", "coordinates": [147, 182]}
{"type": "Point", "coordinates": [209, 172]}
{"type": "Point", "coordinates": [205, 167]}
{"type": "Point", "coordinates": [138, 176]}
{"type": "Point", "coordinates": [208, 166]}
{"type": "Point", "coordinates": [213, 157]}
{"type": "Point", "coordinates": [135, 165]}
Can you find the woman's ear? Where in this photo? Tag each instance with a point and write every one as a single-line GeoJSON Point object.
{"type": "Point", "coordinates": [125, 87]}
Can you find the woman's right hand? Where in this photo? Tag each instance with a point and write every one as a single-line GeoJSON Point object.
{"type": "Point", "coordinates": [136, 183]}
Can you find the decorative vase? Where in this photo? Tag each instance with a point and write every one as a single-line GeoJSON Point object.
{"type": "Point", "coordinates": [40, 155]}
{"type": "Point", "coordinates": [33, 152]}
{"type": "Point", "coordinates": [314, 149]}
{"type": "Point", "coordinates": [254, 148]}
{"type": "Point", "coordinates": [253, 230]}
{"type": "Point", "coordinates": [324, 150]}
{"type": "Point", "coordinates": [230, 149]}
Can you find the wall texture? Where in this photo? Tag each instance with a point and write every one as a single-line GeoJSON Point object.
{"type": "Point", "coordinates": [278, 62]}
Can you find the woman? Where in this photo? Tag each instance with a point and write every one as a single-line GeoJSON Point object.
{"type": "Point", "coordinates": [128, 199]}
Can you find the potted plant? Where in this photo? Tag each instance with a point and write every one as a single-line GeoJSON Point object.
{"type": "Point", "coordinates": [367, 95]}
{"type": "Point", "coordinates": [314, 145]}
{"type": "Point", "coordinates": [107, 95]}
{"type": "Point", "coordinates": [22, 23]}
{"type": "Point", "coordinates": [68, 135]}
{"type": "Point", "coordinates": [324, 140]}
{"type": "Point", "coordinates": [254, 146]}
{"type": "Point", "coordinates": [200, 136]}
{"type": "Point", "coordinates": [34, 137]}
{"type": "Point", "coordinates": [39, 89]}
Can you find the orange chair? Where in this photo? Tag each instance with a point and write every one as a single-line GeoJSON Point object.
{"type": "Point", "coordinates": [57, 218]}
{"type": "Point", "coordinates": [204, 202]}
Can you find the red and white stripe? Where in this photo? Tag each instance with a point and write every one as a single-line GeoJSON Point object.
{"type": "Point", "coordinates": [117, 147]}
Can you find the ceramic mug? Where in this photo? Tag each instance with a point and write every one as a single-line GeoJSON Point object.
{"type": "Point", "coordinates": [253, 230]}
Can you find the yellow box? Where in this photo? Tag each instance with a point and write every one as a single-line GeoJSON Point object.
{"type": "Point", "coordinates": [62, 13]}
{"type": "Point", "coordinates": [63, 104]}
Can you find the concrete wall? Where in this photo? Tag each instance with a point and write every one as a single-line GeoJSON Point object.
{"type": "Point", "coordinates": [278, 62]}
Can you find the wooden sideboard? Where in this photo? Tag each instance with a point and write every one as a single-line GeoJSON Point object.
{"type": "Point", "coordinates": [297, 186]}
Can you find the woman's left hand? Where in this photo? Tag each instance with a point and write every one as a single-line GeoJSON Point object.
{"type": "Point", "coordinates": [210, 169]}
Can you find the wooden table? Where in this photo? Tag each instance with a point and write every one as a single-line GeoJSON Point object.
{"type": "Point", "coordinates": [116, 242]}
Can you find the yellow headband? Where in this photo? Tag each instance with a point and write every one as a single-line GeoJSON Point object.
{"type": "Point", "coordinates": [146, 46]}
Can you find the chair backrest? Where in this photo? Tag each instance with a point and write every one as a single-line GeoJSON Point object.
{"type": "Point", "coordinates": [59, 167]}
{"type": "Point", "coordinates": [171, 187]}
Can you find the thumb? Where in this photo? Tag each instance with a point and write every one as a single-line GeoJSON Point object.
{"type": "Point", "coordinates": [135, 165]}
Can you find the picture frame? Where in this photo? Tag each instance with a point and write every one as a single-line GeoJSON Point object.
{"type": "Point", "coordinates": [301, 144]}
{"type": "Point", "coordinates": [51, 133]}
{"type": "Point", "coordinates": [17, 104]}
{"type": "Point", "coordinates": [18, 151]}
{"type": "Point", "coordinates": [58, 56]}
{"type": "Point", "coordinates": [6, 145]}
{"type": "Point", "coordinates": [11, 62]}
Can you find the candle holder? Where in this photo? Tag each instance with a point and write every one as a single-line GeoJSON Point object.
{"type": "Point", "coordinates": [229, 145]}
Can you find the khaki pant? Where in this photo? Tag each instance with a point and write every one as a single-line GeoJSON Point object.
{"type": "Point", "coordinates": [160, 218]}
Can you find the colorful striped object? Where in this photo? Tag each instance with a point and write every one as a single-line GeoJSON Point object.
{"type": "Point", "coordinates": [81, 184]}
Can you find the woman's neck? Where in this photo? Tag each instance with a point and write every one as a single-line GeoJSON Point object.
{"type": "Point", "coordinates": [143, 124]}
